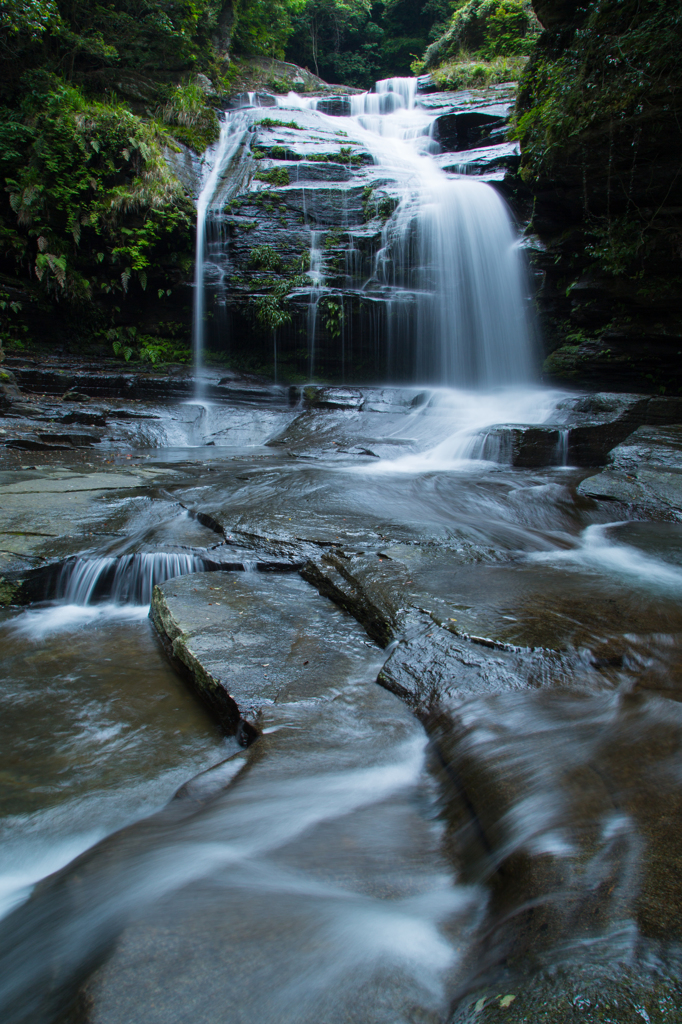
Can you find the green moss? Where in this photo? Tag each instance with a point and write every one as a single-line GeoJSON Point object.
{"type": "Point", "coordinates": [267, 122]}
{"type": "Point", "coordinates": [9, 592]}
{"type": "Point", "coordinates": [623, 55]}
{"type": "Point", "coordinates": [276, 176]}
{"type": "Point", "coordinates": [376, 204]}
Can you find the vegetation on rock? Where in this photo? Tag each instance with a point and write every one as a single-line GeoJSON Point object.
{"type": "Point", "coordinates": [600, 125]}
{"type": "Point", "coordinates": [486, 42]}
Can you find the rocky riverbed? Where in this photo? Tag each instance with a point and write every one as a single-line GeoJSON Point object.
{"type": "Point", "coordinates": [501, 812]}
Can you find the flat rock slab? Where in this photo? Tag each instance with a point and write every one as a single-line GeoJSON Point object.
{"type": "Point", "coordinates": [299, 882]}
{"type": "Point", "coordinates": [247, 638]}
{"type": "Point", "coordinates": [40, 507]}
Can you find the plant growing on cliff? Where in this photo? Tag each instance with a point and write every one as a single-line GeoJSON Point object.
{"type": "Point", "coordinates": [193, 121]}
{"type": "Point", "coordinates": [624, 53]}
{"type": "Point", "coordinates": [265, 257]}
{"type": "Point", "coordinates": [95, 199]}
{"type": "Point", "coordinates": [597, 101]}
{"type": "Point", "coordinates": [333, 316]}
{"type": "Point", "coordinates": [486, 29]}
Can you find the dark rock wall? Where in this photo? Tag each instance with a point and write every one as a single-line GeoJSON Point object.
{"type": "Point", "coordinates": [599, 117]}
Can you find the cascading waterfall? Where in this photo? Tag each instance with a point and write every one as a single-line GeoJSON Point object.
{"type": "Point", "coordinates": [448, 283]}
{"type": "Point", "coordinates": [450, 247]}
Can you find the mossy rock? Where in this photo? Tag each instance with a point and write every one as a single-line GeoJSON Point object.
{"type": "Point", "coordinates": [9, 592]}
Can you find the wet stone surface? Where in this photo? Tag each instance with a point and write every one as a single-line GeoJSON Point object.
{"type": "Point", "coordinates": [533, 630]}
{"type": "Point", "coordinates": [643, 470]}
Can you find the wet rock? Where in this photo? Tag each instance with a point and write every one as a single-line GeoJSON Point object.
{"type": "Point", "coordinates": [75, 440]}
{"type": "Point", "coordinates": [468, 129]}
{"type": "Point", "coordinates": [242, 639]}
{"type": "Point", "coordinates": [505, 156]}
{"type": "Point", "coordinates": [46, 513]}
{"type": "Point", "coordinates": [332, 398]}
{"type": "Point", "coordinates": [82, 386]}
{"type": "Point", "coordinates": [75, 396]}
{"type": "Point", "coordinates": [9, 392]}
{"type": "Point", "coordinates": [588, 428]}
{"type": "Point", "coordinates": [334, 785]}
{"type": "Point", "coordinates": [89, 418]}
{"type": "Point", "coordinates": [375, 608]}
{"type": "Point", "coordinates": [588, 996]}
{"type": "Point", "coordinates": [524, 446]}
{"type": "Point", "coordinates": [644, 470]}
{"type": "Point", "coordinates": [337, 106]}
{"type": "Point", "coordinates": [439, 669]}
{"type": "Point", "coordinates": [243, 99]}
{"type": "Point", "coordinates": [29, 444]}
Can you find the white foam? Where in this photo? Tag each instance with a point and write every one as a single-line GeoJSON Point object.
{"type": "Point", "coordinates": [63, 618]}
{"type": "Point", "coordinates": [597, 552]}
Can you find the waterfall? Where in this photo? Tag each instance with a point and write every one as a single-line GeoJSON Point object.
{"type": "Point", "coordinates": [128, 579]}
{"type": "Point", "coordinates": [446, 297]}
{"type": "Point", "coordinates": [218, 160]}
{"type": "Point", "coordinates": [451, 246]}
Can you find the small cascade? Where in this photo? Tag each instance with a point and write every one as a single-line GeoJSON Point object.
{"type": "Point", "coordinates": [316, 275]}
{"type": "Point", "coordinates": [389, 95]}
{"type": "Point", "coordinates": [562, 447]}
{"type": "Point", "coordinates": [128, 579]}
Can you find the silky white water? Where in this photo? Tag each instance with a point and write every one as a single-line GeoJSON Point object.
{"type": "Point", "coordinates": [448, 271]}
{"type": "Point", "coordinates": [217, 162]}
{"type": "Point", "coordinates": [450, 245]}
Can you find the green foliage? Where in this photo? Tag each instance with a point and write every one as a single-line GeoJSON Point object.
{"type": "Point", "coordinates": [11, 328]}
{"type": "Point", "coordinates": [276, 176]}
{"type": "Point", "coordinates": [267, 122]}
{"type": "Point", "coordinates": [486, 29]}
{"type": "Point", "coordinates": [617, 244]}
{"type": "Point", "coordinates": [130, 345]}
{"type": "Point", "coordinates": [332, 310]}
{"type": "Point", "coordinates": [32, 17]}
{"type": "Point", "coordinates": [194, 122]}
{"type": "Point", "coordinates": [376, 203]}
{"type": "Point", "coordinates": [91, 202]}
{"type": "Point", "coordinates": [626, 52]}
{"type": "Point", "coordinates": [476, 74]}
{"type": "Point", "coordinates": [271, 313]}
{"type": "Point", "coordinates": [264, 257]}
{"type": "Point", "coordinates": [358, 41]}
{"type": "Point", "coordinates": [263, 27]}
{"type": "Point", "coordinates": [585, 112]}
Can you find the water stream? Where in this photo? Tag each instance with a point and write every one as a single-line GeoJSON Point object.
{"type": "Point", "coordinates": [368, 865]}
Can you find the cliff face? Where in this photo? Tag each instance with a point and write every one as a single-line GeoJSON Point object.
{"type": "Point", "coordinates": [599, 119]}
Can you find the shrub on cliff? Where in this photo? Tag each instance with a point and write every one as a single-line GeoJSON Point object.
{"type": "Point", "coordinates": [599, 113]}
{"type": "Point", "coordinates": [486, 29]}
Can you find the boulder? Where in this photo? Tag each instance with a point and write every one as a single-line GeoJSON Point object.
{"type": "Point", "coordinates": [468, 129]}
{"type": "Point", "coordinates": [645, 470]}
{"type": "Point", "coordinates": [337, 106]}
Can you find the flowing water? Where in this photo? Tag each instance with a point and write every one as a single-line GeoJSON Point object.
{"type": "Point", "coordinates": [448, 272]}
{"type": "Point", "coordinates": [352, 866]}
